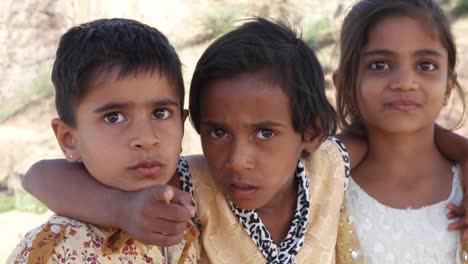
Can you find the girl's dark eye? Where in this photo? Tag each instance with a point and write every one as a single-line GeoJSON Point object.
{"type": "Point", "coordinates": [427, 66]}
{"type": "Point", "coordinates": [265, 133]}
{"type": "Point", "coordinates": [161, 113]}
{"type": "Point", "coordinates": [114, 118]}
{"type": "Point", "coordinates": [218, 133]}
{"type": "Point", "coordinates": [379, 66]}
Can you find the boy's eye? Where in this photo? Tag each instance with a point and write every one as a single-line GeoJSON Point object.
{"type": "Point", "coordinates": [161, 113]}
{"type": "Point", "coordinates": [426, 66]}
{"type": "Point", "coordinates": [218, 133]}
{"type": "Point", "coordinates": [114, 118]}
{"type": "Point", "coordinates": [265, 133]}
{"type": "Point", "coordinates": [379, 66]}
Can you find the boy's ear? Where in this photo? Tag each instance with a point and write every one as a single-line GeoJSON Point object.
{"type": "Point", "coordinates": [67, 140]}
{"type": "Point", "coordinates": [312, 139]}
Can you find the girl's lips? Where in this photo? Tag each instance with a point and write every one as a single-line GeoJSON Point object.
{"type": "Point", "coordinates": [402, 105]}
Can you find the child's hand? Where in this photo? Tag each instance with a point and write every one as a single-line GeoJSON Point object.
{"type": "Point", "coordinates": [457, 211]}
{"type": "Point", "coordinates": [157, 215]}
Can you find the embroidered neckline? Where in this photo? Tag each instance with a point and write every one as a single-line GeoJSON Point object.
{"type": "Point", "coordinates": [292, 243]}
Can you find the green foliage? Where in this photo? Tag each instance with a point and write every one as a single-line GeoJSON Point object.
{"type": "Point", "coordinates": [27, 203]}
{"type": "Point", "coordinates": [461, 8]}
{"type": "Point", "coordinates": [314, 29]}
{"type": "Point", "coordinates": [21, 201]}
{"type": "Point", "coordinates": [7, 202]}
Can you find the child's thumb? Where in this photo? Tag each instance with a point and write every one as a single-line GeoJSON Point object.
{"type": "Point", "coordinates": [184, 199]}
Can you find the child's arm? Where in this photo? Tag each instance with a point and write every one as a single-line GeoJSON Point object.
{"type": "Point", "coordinates": [455, 147]}
{"type": "Point", "coordinates": [146, 215]}
{"type": "Point", "coordinates": [356, 147]}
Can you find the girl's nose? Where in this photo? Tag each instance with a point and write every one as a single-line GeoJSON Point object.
{"type": "Point", "coordinates": [405, 80]}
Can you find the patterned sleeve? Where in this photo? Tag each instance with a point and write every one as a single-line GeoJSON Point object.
{"type": "Point", "coordinates": [38, 245]}
{"type": "Point", "coordinates": [344, 154]}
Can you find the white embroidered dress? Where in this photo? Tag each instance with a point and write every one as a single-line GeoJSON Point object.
{"type": "Point", "coordinates": [388, 235]}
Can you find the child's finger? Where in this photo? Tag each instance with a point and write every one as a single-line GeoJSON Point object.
{"type": "Point", "coordinates": [465, 234]}
{"type": "Point", "coordinates": [457, 225]}
{"type": "Point", "coordinates": [184, 199]}
{"type": "Point", "coordinates": [167, 211]}
{"type": "Point", "coordinates": [456, 210]}
{"type": "Point", "coordinates": [162, 193]}
{"type": "Point", "coordinates": [165, 227]}
{"type": "Point", "coordinates": [161, 240]}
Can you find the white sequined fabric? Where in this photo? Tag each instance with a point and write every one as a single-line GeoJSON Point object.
{"type": "Point", "coordinates": [388, 235]}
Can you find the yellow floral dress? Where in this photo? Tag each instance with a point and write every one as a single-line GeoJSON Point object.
{"type": "Point", "coordinates": [66, 240]}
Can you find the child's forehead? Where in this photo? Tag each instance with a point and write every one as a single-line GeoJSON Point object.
{"type": "Point", "coordinates": [115, 75]}
{"type": "Point", "coordinates": [425, 23]}
{"type": "Point", "coordinates": [264, 78]}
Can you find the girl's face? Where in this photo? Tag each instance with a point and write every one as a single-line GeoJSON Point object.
{"type": "Point", "coordinates": [249, 141]}
{"type": "Point", "coordinates": [403, 76]}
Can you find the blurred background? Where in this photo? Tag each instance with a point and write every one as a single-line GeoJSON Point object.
{"type": "Point", "coordinates": [29, 33]}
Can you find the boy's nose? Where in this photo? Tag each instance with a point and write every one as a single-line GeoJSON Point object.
{"type": "Point", "coordinates": [240, 157]}
{"type": "Point", "coordinates": [145, 136]}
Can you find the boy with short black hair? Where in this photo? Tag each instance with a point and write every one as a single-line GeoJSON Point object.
{"type": "Point", "coordinates": [119, 97]}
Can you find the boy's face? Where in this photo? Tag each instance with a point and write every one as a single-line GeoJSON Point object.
{"type": "Point", "coordinates": [128, 132]}
{"type": "Point", "coordinates": [249, 141]}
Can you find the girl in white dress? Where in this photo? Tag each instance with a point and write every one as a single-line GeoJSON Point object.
{"type": "Point", "coordinates": [396, 73]}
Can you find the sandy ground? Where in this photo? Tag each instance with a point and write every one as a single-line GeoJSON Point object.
{"type": "Point", "coordinates": [13, 226]}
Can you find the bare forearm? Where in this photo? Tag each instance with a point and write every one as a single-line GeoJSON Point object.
{"type": "Point", "coordinates": [69, 190]}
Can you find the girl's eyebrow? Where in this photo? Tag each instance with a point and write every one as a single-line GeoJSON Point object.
{"type": "Point", "coordinates": [428, 52]}
{"type": "Point", "coordinates": [125, 105]}
{"type": "Point", "coordinates": [373, 52]}
{"type": "Point", "coordinates": [386, 52]}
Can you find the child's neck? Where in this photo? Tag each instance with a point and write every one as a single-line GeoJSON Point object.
{"type": "Point", "coordinates": [404, 170]}
{"type": "Point", "coordinates": [394, 149]}
{"type": "Point", "coordinates": [278, 214]}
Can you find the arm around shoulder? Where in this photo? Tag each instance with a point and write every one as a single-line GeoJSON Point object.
{"type": "Point", "coordinates": [68, 189]}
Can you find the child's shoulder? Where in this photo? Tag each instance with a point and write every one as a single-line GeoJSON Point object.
{"type": "Point", "coordinates": [46, 243]}
{"type": "Point", "coordinates": [198, 168]}
{"type": "Point", "coordinates": [67, 240]}
{"type": "Point", "coordinates": [330, 156]}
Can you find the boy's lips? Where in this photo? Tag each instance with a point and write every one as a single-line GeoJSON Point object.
{"type": "Point", "coordinates": [147, 168]}
{"type": "Point", "coordinates": [241, 190]}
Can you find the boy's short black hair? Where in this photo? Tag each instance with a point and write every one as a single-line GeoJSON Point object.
{"type": "Point", "coordinates": [260, 45]}
{"type": "Point", "coordinates": [104, 45]}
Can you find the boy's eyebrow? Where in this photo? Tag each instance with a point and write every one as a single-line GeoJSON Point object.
{"type": "Point", "coordinates": [267, 124]}
{"type": "Point", "coordinates": [123, 105]}
{"type": "Point", "coordinates": [386, 52]}
{"type": "Point", "coordinates": [256, 125]}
